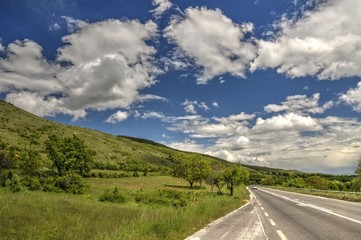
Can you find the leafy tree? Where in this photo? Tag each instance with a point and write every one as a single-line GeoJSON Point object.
{"type": "Point", "coordinates": [69, 155]}
{"type": "Point", "coordinates": [295, 183]}
{"type": "Point", "coordinates": [217, 179]}
{"type": "Point", "coordinates": [30, 163]}
{"type": "Point", "coordinates": [234, 176]}
{"type": "Point", "coordinates": [317, 182]}
{"type": "Point", "coordinates": [192, 169]}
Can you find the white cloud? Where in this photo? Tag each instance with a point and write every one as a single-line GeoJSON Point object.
{"type": "Point", "coordinates": [161, 7]}
{"type": "Point", "coordinates": [40, 106]}
{"type": "Point", "coordinates": [24, 68]}
{"type": "Point", "coordinates": [300, 104]}
{"type": "Point", "coordinates": [126, 38]}
{"type": "Point", "coordinates": [187, 145]}
{"type": "Point", "coordinates": [154, 115]}
{"type": "Point", "coordinates": [109, 63]}
{"type": "Point", "coordinates": [353, 98]}
{"type": "Point", "coordinates": [290, 141]}
{"type": "Point", "coordinates": [117, 117]}
{"type": "Point", "coordinates": [54, 27]}
{"type": "Point", "coordinates": [215, 104]}
{"type": "Point", "coordinates": [287, 122]}
{"type": "Point", "coordinates": [213, 41]}
{"type": "Point", "coordinates": [191, 106]}
{"type": "Point", "coordinates": [316, 44]}
{"type": "Point", "coordinates": [73, 24]}
{"type": "Point", "coordinates": [235, 118]}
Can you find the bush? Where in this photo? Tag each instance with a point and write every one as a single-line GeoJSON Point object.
{"type": "Point", "coordinates": [14, 184]}
{"type": "Point", "coordinates": [165, 197]}
{"type": "Point", "coordinates": [115, 196]}
{"type": "Point", "coordinates": [70, 183]}
{"type": "Point", "coordinates": [32, 183]}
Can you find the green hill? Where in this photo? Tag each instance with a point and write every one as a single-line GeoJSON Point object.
{"type": "Point", "coordinates": [26, 131]}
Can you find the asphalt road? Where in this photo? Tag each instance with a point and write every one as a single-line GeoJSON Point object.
{"type": "Point", "coordinates": [273, 214]}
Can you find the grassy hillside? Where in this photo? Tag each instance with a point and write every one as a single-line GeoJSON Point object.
{"type": "Point", "coordinates": [27, 131]}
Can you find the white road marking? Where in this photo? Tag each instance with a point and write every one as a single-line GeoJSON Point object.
{"type": "Point", "coordinates": [272, 222]}
{"type": "Point", "coordinates": [266, 214]}
{"type": "Point", "coordinates": [262, 208]}
{"type": "Point", "coordinates": [314, 207]}
{"type": "Point", "coordinates": [282, 236]}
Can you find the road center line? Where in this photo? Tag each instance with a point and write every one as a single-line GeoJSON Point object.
{"type": "Point", "coordinates": [266, 214]}
{"type": "Point", "coordinates": [282, 236]}
{"type": "Point", "coordinates": [272, 222]}
{"type": "Point", "coordinates": [325, 210]}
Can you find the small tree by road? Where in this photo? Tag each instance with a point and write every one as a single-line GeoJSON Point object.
{"type": "Point", "coordinates": [192, 169]}
{"type": "Point", "coordinates": [234, 176]}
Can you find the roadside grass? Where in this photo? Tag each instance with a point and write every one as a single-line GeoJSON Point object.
{"type": "Point", "coordinates": [39, 215]}
{"type": "Point", "coordinates": [347, 196]}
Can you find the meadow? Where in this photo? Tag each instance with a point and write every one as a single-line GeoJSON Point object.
{"type": "Point", "coordinates": [41, 215]}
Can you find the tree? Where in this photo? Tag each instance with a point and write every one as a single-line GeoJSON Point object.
{"type": "Point", "coordinates": [192, 169]}
{"type": "Point", "coordinates": [317, 182]}
{"type": "Point", "coordinates": [30, 163]}
{"type": "Point", "coordinates": [69, 155]}
{"type": "Point", "coordinates": [217, 179]}
{"type": "Point", "coordinates": [234, 176]}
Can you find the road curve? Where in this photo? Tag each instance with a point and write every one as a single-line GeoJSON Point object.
{"type": "Point", "coordinates": [274, 214]}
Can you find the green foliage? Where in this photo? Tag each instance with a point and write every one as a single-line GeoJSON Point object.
{"type": "Point", "coordinates": [14, 183]}
{"type": "Point", "coordinates": [114, 196]}
{"type": "Point", "coordinates": [30, 163]}
{"type": "Point", "coordinates": [192, 169]}
{"type": "Point", "coordinates": [216, 179]}
{"type": "Point", "coordinates": [69, 155]}
{"type": "Point", "coordinates": [234, 176]}
{"type": "Point", "coordinates": [165, 198]}
{"type": "Point", "coordinates": [32, 183]}
{"type": "Point", "coordinates": [356, 184]}
{"type": "Point", "coordinates": [317, 182]}
{"type": "Point", "coordinates": [295, 183]}
{"type": "Point", "coordinates": [70, 183]}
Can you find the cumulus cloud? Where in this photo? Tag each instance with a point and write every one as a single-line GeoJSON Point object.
{"type": "Point", "coordinates": [331, 144]}
{"type": "Point", "coordinates": [108, 64]}
{"type": "Point", "coordinates": [290, 121]}
{"type": "Point", "coordinates": [312, 46]}
{"type": "Point", "coordinates": [25, 68]}
{"type": "Point", "coordinates": [117, 117]}
{"type": "Point", "coordinates": [161, 7]}
{"type": "Point", "coordinates": [300, 104]}
{"type": "Point", "coordinates": [42, 106]}
{"type": "Point", "coordinates": [353, 98]}
{"type": "Point", "coordinates": [213, 41]}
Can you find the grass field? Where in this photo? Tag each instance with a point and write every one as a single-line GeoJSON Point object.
{"type": "Point", "coordinates": [39, 215]}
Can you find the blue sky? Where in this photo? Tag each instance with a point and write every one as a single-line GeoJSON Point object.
{"type": "Point", "coordinates": [264, 82]}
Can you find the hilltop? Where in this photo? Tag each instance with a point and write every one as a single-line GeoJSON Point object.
{"type": "Point", "coordinates": [27, 131]}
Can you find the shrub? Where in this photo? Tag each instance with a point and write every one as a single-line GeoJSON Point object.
{"type": "Point", "coordinates": [32, 183]}
{"type": "Point", "coordinates": [114, 196]}
{"type": "Point", "coordinates": [14, 183]}
{"type": "Point", "coordinates": [70, 183]}
{"type": "Point", "coordinates": [165, 197]}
